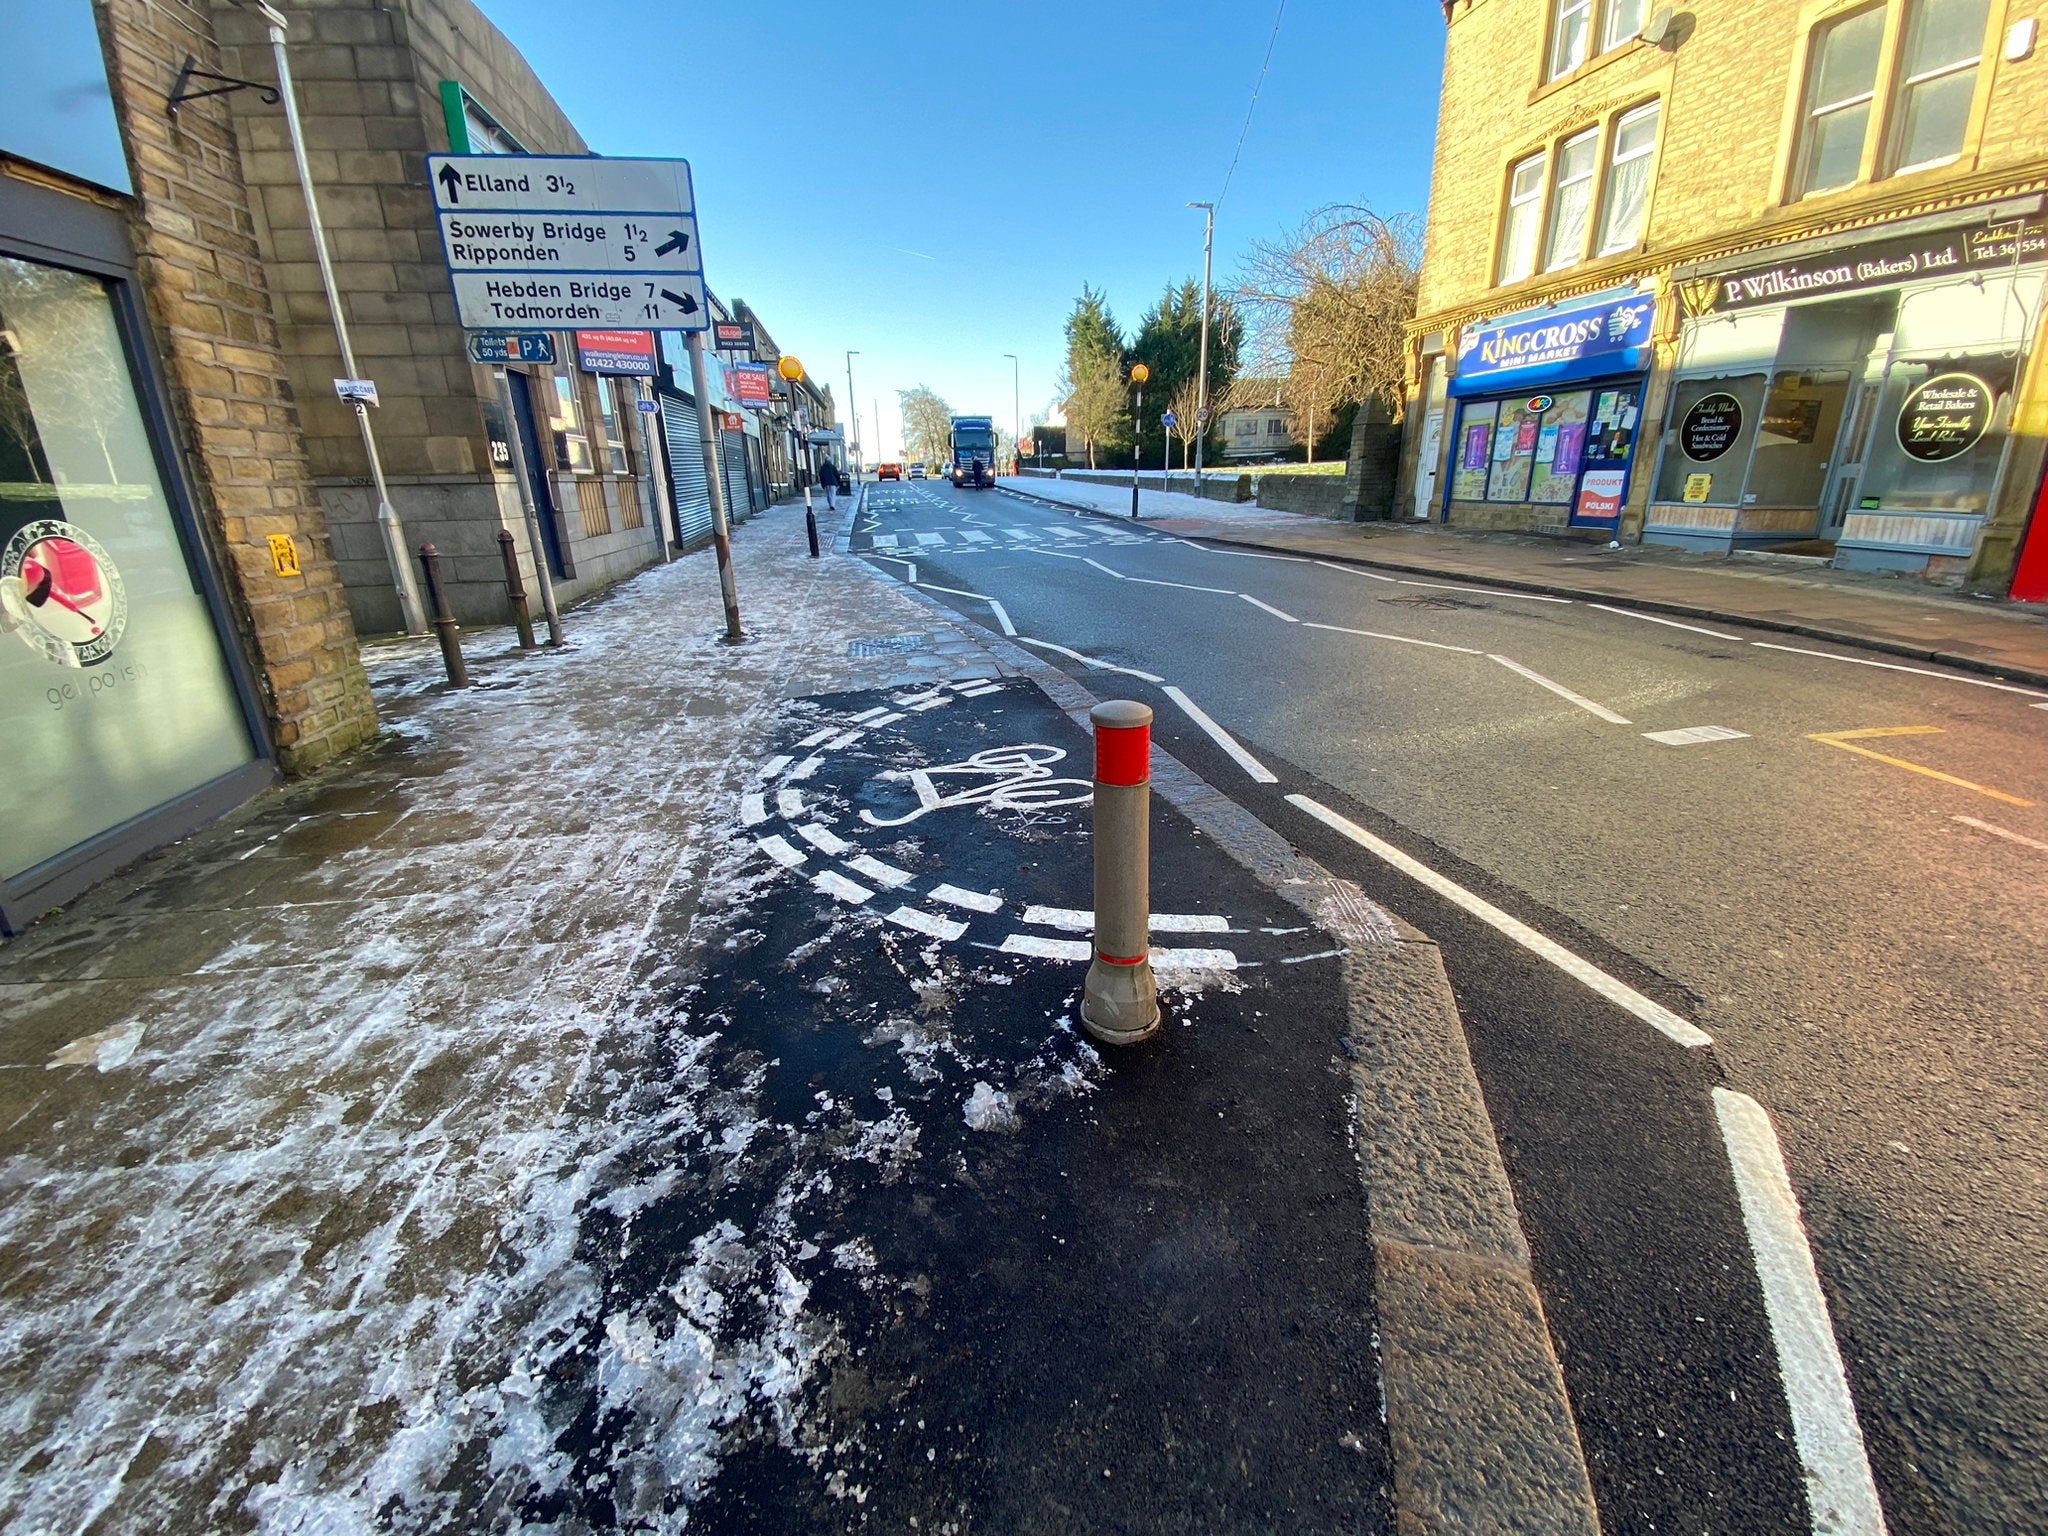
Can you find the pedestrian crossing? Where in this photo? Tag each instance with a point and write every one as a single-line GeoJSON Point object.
{"type": "Point", "coordinates": [1040, 536]}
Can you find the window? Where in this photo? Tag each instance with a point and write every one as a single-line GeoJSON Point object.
{"type": "Point", "coordinates": [1571, 199]}
{"type": "Point", "coordinates": [572, 448]}
{"type": "Point", "coordinates": [1841, 85]}
{"type": "Point", "coordinates": [1525, 202]}
{"type": "Point", "coordinates": [1628, 180]}
{"type": "Point", "coordinates": [1276, 426]}
{"type": "Point", "coordinates": [610, 412]}
{"type": "Point", "coordinates": [1624, 21]}
{"type": "Point", "coordinates": [1568, 35]}
{"type": "Point", "coordinates": [1938, 58]}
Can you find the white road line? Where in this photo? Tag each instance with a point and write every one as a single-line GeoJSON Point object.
{"type": "Point", "coordinates": [927, 923]}
{"type": "Point", "coordinates": [823, 838]}
{"type": "Point", "coordinates": [775, 765]}
{"type": "Point", "coordinates": [839, 887]}
{"type": "Point", "coordinates": [1022, 533]}
{"type": "Point", "coordinates": [1841, 1495]}
{"type": "Point", "coordinates": [1277, 613]}
{"type": "Point", "coordinates": [1090, 661]}
{"type": "Point", "coordinates": [789, 803]}
{"type": "Point", "coordinates": [979, 693]}
{"type": "Point", "coordinates": [1563, 692]}
{"type": "Point", "coordinates": [1047, 949]}
{"type": "Point", "coordinates": [1248, 554]}
{"type": "Point", "coordinates": [807, 767]}
{"type": "Point", "coordinates": [929, 539]}
{"type": "Point", "coordinates": [1119, 575]}
{"type": "Point", "coordinates": [1074, 920]}
{"type": "Point", "coordinates": [1377, 634]}
{"type": "Point", "coordinates": [1694, 735]}
{"type": "Point", "coordinates": [1002, 614]}
{"type": "Point", "coordinates": [866, 715]}
{"type": "Point", "coordinates": [1321, 954]}
{"type": "Point", "coordinates": [1651, 618]}
{"type": "Point", "coordinates": [885, 541]}
{"type": "Point", "coordinates": [1893, 666]}
{"type": "Point", "coordinates": [1656, 1015]}
{"type": "Point", "coordinates": [1259, 772]}
{"type": "Point", "coordinates": [1003, 617]}
{"type": "Point", "coordinates": [1352, 570]}
{"type": "Point", "coordinates": [843, 740]}
{"type": "Point", "coordinates": [889, 719]}
{"type": "Point", "coordinates": [1996, 831]}
{"type": "Point", "coordinates": [976, 537]}
{"type": "Point", "coordinates": [882, 874]}
{"type": "Point", "coordinates": [817, 736]}
{"type": "Point", "coordinates": [1185, 586]}
{"type": "Point", "coordinates": [973, 901]}
{"type": "Point", "coordinates": [928, 704]}
{"type": "Point", "coordinates": [1445, 586]}
{"type": "Point", "coordinates": [1193, 960]}
{"type": "Point", "coordinates": [753, 809]}
{"type": "Point", "coordinates": [779, 849]}
{"type": "Point", "coordinates": [893, 560]}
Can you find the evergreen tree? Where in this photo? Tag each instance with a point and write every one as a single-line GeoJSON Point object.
{"type": "Point", "coordinates": [1097, 412]}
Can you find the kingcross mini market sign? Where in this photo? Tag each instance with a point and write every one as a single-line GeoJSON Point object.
{"type": "Point", "coordinates": [1580, 342]}
{"type": "Point", "coordinates": [566, 242]}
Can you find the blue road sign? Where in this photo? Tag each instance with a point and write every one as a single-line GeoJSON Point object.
{"type": "Point", "coordinates": [1169, 421]}
{"type": "Point", "coordinates": [511, 347]}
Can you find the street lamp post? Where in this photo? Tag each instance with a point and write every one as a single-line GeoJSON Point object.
{"type": "Point", "coordinates": [1202, 376]}
{"type": "Point", "coordinates": [792, 372]}
{"type": "Point", "coordinates": [1139, 374]}
{"type": "Point", "coordinates": [1016, 407]}
{"type": "Point", "coordinates": [853, 413]}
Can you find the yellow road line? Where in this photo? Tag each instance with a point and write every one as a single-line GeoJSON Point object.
{"type": "Point", "coordinates": [1843, 739]}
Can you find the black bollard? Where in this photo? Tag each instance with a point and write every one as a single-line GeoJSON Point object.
{"type": "Point", "coordinates": [516, 590]}
{"type": "Point", "coordinates": [810, 522]}
{"type": "Point", "coordinates": [444, 620]}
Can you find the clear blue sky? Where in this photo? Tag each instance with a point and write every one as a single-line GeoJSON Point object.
{"type": "Point", "coordinates": [931, 181]}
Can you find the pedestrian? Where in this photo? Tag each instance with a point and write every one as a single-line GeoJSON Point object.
{"type": "Point", "coordinates": [828, 477]}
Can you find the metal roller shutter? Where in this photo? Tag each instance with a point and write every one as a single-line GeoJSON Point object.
{"type": "Point", "coordinates": [692, 497]}
{"type": "Point", "coordinates": [732, 453]}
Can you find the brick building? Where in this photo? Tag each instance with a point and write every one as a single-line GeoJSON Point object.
{"type": "Point", "coordinates": [381, 84]}
{"type": "Point", "coordinates": [1739, 276]}
{"type": "Point", "coordinates": [172, 627]}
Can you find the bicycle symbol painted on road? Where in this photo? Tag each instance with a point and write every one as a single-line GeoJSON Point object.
{"type": "Point", "coordinates": [1009, 779]}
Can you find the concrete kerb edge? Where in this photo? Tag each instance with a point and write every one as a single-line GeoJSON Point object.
{"type": "Point", "coordinates": [1478, 1417]}
{"type": "Point", "coordinates": [1906, 652]}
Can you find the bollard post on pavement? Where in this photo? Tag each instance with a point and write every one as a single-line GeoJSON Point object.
{"type": "Point", "coordinates": [1120, 1000]}
{"type": "Point", "coordinates": [444, 618]}
{"type": "Point", "coordinates": [810, 522]}
{"type": "Point", "coordinates": [515, 590]}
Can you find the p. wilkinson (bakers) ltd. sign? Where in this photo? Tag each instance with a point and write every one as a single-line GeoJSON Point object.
{"type": "Point", "coordinates": [1879, 264]}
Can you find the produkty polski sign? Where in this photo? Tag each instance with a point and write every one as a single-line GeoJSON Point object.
{"type": "Point", "coordinates": [561, 242]}
{"type": "Point", "coordinates": [1607, 336]}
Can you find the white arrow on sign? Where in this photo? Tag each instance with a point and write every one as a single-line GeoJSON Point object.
{"type": "Point", "coordinates": [560, 184]}
{"type": "Point", "coordinates": [570, 300]}
{"type": "Point", "coordinates": [520, 242]}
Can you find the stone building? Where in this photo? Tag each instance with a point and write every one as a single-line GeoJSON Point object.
{"type": "Point", "coordinates": [172, 627]}
{"type": "Point", "coordinates": [381, 84]}
{"type": "Point", "coordinates": [1739, 276]}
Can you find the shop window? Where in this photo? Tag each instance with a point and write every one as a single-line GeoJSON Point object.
{"type": "Point", "coordinates": [1525, 205]}
{"type": "Point", "coordinates": [1797, 424]}
{"type": "Point", "coordinates": [1571, 199]}
{"type": "Point", "coordinates": [1628, 180]}
{"type": "Point", "coordinates": [572, 446]}
{"type": "Point", "coordinates": [1841, 86]}
{"type": "Point", "coordinates": [1472, 454]}
{"type": "Point", "coordinates": [1569, 29]}
{"type": "Point", "coordinates": [611, 415]}
{"type": "Point", "coordinates": [1940, 433]}
{"type": "Point", "coordinates": [1938, 59]}
{"type": "Point", "coordinates": [1708, 437]}
{"type": "Point", "coordinates": [1560, 449]}
{"type": "Point", "coordinates": [112, 681]}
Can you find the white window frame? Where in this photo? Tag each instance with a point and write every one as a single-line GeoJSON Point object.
{"type": "Point", "coordinates": [1532, 200]}
{"type": "Point", "coordinates": [1609, 41]}
{"type": "Point", "coordinates": [1561, 14]}
{"type": "Point", "coordinates": [1616, 158]}
{"type": "Point", "coordinates": [1554, 201]}
{"type": "Point", "coordinates": [1895, 112]}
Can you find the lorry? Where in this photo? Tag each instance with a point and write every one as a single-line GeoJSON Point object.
{"type": "Point", "coordinates": [973, 444]}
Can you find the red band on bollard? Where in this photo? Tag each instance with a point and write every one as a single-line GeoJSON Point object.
{"type": "Point", "coordinates": [1123, 755]}
{"type": "Point", "coordinates": [1119, 959]}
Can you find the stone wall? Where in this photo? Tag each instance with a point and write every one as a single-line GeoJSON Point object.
{"type": "Point", "coordinates": [203, 282]}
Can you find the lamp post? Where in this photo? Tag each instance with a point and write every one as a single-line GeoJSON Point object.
{"type": "Point", "coordinates": [792, 374]}
{"type": "Point", "coordinates": [853, 413]}
{"type": "Point", "coordinates": [1016, 408]}
{"type": "Point", "coordinates": [1202, 376]}
{"type": "Point", "coordinates": [1139, 374]}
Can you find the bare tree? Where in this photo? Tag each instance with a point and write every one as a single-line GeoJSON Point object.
{"type": "Point", "coordinates": [1327, 305]}
{"type": "Point", "coordinates": [927, 425]}
{"type": "Point", "coordinates": [1186, 404]}
{"type": "Point", "coordinates": [1095, 403]}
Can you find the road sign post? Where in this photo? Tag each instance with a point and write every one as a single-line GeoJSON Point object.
{"type": "Point", "coordinates": [721, 537]}
{"type": "Point", "coordinates": [522, 475]}
{"type": "Point", "coordinates": [1167, 421]}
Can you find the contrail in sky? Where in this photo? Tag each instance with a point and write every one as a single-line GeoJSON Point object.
{"type": "Point", "coordinates": [920, 255]}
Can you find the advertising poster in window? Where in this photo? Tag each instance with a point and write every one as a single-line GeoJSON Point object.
{"type": "Point", "coordinates": [1468, 472]}
{"type": "Point", "coordinates": [1558, 445]}
{"type": "Point", "coordinates": [1600, 494]}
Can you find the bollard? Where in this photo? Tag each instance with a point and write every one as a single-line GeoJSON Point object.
{"type": "Point", "coordinates": [444, 620]}
{"type": "Point", "coordinates": [1120, 1000]}
{"type": "Point", "coordinates": [810, 522]}
{"type": "Point", "coordinates": [515, 589]}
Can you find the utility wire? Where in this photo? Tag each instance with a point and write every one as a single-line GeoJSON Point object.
{"type": "Point", "coordinates": [1257, 85]}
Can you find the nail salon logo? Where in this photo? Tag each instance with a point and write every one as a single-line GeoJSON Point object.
{"type": "Point", "coordinates": [60, 592]}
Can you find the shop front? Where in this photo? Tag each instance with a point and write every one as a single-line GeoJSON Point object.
{"type": "Point", "coordinates": [1548, 406]}
{"type": "Point", "coordinates": [129, 716]}
{"type": "Point", "coordinates": [1853, 400]}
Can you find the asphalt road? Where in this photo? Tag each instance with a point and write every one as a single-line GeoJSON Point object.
{"type": "Point", "coordinates": [1861, 936]}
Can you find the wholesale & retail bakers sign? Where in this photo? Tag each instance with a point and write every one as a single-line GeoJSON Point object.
{"type": "Point", "coordinates": [1879, 264]}
{"type": "Point", "coordinates": [1602, 337]}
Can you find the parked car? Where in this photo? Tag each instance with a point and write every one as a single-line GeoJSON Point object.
{"type": "Point", "coordinates": [888, 472]}
{"type": "Point", "coordinates": [917, 471]}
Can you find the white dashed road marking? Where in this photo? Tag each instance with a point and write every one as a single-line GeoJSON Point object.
{"type": "Point", "coordinates": [789, 803]}
{"type": "Point", "coordinates": [1375, 634]}
{"type": "Point", "coordinates": [1997, 831]}
{"type": "Point", "coordinates": [753, 809]}
{"type": "Point", "coordinates": [1655, 1014]}
{"type": "Point", "coordinates": [1290, 618]}
{"type": "Point", "coordinates": [927, 923]}
{"type": "Point", "coordinates": [1651, 618]}
{"type": "Point", "coordinates": [1258, 771]}
{"type": "Point", "coordinates": [1047, 949]}
{"type": "Point", "coordinates": [973, 901]}
{"type": "Point", "coordinates": [777, 848]}
{"type": "Point", "coordinates": [1693, 735]}
{"type": "Point", "coordinates": [1090, 661]}
{"type": "Point", "coordinates": [837, 885]}
{"type": "Point", "coordinates": [1563, 692]}
{"type": "Point", "coordinates": [882, 874]}
{"type": "Point", "coordinates": [824, 839]}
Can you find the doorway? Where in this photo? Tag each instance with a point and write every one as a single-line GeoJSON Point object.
{"type": "Point", "coordinates": [543, 487]}
{"type": "Point", "coordinates": [1426, 462]}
